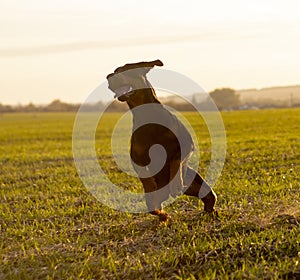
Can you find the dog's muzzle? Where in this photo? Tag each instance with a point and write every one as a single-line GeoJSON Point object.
{"type": "Point", "coordinates": [123, 90]}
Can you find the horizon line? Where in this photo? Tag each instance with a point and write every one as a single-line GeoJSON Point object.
{"type": "Point", "coordinates": [78, 102]}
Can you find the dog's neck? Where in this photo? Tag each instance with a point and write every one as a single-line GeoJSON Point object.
{"type": "Point", "coordinates": [143, 96]}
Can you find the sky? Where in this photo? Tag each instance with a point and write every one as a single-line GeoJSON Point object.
{"type": "Point", "coordinates": [63, 49]}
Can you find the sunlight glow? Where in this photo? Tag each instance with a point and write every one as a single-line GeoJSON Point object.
{"type": "Point", "coordinates": [65, 48]}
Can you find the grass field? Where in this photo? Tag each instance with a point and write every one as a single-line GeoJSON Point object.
{"type": "Point", "coordinates": [52, 228]}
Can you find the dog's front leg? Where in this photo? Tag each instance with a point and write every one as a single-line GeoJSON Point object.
{"type": "Point", "coordinates": [176, 182]}
{"type": "Point", "coordinates": [154, 199]}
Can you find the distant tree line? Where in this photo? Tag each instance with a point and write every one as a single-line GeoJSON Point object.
{"type": "Point", "coordinates": [54, 106]}
{"type": "Point", "coordinates": [224, 98]}
{"type": "Point", "coordinates": [59, 106]}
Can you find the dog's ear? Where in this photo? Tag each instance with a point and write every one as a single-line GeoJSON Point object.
{"type": "Point", "coordinates": [153, 63]}
{"type": "Point", "coordinates": [147, 66]}
{"type": "Point", "coordinates": [142, 67]}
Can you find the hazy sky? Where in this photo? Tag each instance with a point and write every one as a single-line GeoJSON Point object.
{"type": "Point", "coordinates": [65, 48]}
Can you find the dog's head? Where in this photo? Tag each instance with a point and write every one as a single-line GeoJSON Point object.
{"type": "Point", "coordinates": [130, 79]}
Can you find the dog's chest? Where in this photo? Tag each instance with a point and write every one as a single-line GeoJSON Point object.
{"type": "Point", "coordinates": [158, 126]}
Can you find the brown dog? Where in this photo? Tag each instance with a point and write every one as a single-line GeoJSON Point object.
{"type": "Point", "coordinates": [155, 125]}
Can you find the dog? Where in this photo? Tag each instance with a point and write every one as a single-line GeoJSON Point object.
{"type": "Point", "coordinates": [129, 83]}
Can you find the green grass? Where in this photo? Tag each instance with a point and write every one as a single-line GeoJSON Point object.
{"type": "Point", "coordinates": [52, 228]}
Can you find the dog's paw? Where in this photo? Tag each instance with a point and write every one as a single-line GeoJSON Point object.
{"type": "Point", "coordinates": [164, 217]}
{"type": "Point", "coordinates": [209, 202]}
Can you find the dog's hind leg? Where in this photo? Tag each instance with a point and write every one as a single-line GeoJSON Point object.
{"type": "Point", "coordinates": [154, 199]}
{"type": "Point", "coordinates": [199, 188]}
